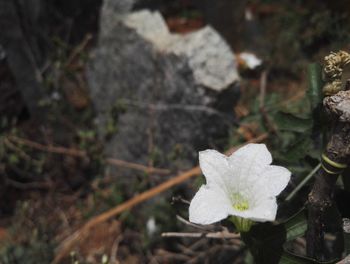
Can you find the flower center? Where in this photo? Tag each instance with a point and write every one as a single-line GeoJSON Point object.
{"type": "Point", "coordinates": [239, 202]}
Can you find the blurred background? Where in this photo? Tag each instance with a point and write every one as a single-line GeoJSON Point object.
{"type": "Point", "coordinates": [101, 101]}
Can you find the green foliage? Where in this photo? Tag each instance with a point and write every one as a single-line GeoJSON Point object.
{"type": "Point", "coordinates": [105, 198]}
{"type": "Point", "coordinates": [33, 253]}
{"type": "Point", "coordinates": [292, 142]}
{"type": "Point", "coordinates": [288, 258]}
{"type": "Point", "coordinates": [267, 241]}
{"type": "Point", "coordinates": [290, 122]}
{"type": "Point", "coordinates": [315, 84]}
{"type": "Point", "coordinates": [30, 244]}
{"type": "Point", "coordinates": [111, 124]}
{"type": "Point", "coordinates": [296, 226]}
{"type": "Point", "coordinates": [299, 30]}
{"type": "Point", "coordinates": [296, 145]}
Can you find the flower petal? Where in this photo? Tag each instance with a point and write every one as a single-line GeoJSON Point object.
{"type": "Point", "coordinates": [249, 161]}
{"type": "Point", "coordinates": [209, 205]}
{"type": "Point", "coordinates": [264, 211]}
{"type": "Point", "coordinates": [215, 168]}
{"type": "Point", "coordinates": [277, 178]}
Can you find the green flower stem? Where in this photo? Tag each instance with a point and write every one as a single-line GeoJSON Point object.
{"type": "Point", "coordinates": [242, 224]}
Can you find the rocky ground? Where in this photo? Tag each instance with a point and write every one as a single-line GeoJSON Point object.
{"type": "Point", "coordinates": [126, 104]}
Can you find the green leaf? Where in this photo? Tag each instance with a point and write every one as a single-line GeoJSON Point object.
{"type": "Point", "coordinates": [298, 150]}
{"type": "Point", "coordinates": [296, 225]}
{"type": "Point", "coordinates": [289, 258]}
{"type": "Point", "coordinates": [266, 240]}
{"type": "Point", "coordinates": [314, 92]}
{"type": "Point", "coordinates": [290, 122]}
{"type": "Point", "coordinates": [272, 100]}
{"type": "Point", "coordinates": [249, 258]}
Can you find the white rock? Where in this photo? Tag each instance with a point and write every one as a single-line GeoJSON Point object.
{"type": "Point", "coordinates": [151, 26]}
{"type": "Point", "coordinates": [211, 59]}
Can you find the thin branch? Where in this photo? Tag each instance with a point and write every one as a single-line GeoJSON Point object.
{"type": "Point", "coordinates": [216, 235]}
{"type": "Point", "coordinates": [20, 152]}
{"type": "Point", "coordinates": [78, 49]}
{"type": "Point", "coordinates": [303, 182]}
{"type": "Point", "coordinates": [181, 108]}
{"type": "Point", "coordinates": [114, 250]}
{"type": "Point", "coordinates": [51, 149]}
{"type": "Point", "coordinates": [180, 199]}
{"type": "Point", "coordinates": [70, 242]}
{"type": "Point", "coordinates": [183, 220]}
{"type": "Point", "coordinates": [27, 186]}
{"type": "Point", "coordinates": [257, 139]}
{"type": "Point", "coordinates": [135, 166]}
{"type": "Point", "coordinates": [83, 154]}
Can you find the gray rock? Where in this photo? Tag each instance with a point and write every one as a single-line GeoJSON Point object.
{"type": "Point", "coordinates": [209, 57]}
{"type": "Point", "coordinates": [168, 95]}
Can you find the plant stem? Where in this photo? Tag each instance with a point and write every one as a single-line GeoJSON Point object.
{"type": "Point", "coordinates": [303, 182]}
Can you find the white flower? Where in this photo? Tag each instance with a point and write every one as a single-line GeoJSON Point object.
{"type": "Point", "coordinates": [243, 185]}
{"type": "Point", "coordinates": [250, 60]}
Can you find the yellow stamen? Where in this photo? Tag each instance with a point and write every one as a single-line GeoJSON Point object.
{"type": "Point", "coordinates": [239, 203]}
{"type": "Point", "coordinates": [241, 206]}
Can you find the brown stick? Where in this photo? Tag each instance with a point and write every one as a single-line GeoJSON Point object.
{"type": "Point", "coordinates": [77, 50]}
{"type": "Point", "coordinates": [217, 235]}
{"type": "Point", "coordinates": [51, 149]}
{"type": "Point", "coordinates": [82, 154]}
{"type": "Point", "coordinates": [131, 165]}
{"type": "Point", "coordinates": [67, 245]}
{"type": "Point", "coordinates": [320, 198]}
{"type": "Point", "coordinates": [19, 151]}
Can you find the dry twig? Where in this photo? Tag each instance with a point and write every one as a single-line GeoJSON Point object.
{"type": "Point", "coordinates": [78, 49]}
{"type": "Point", "coordinates": [114, 250]}
{"type": "Point", "coordinates": [20, 152]}
{"type": "Point", "coordinates": [51, 149]}
{"type": "Point", "coordinates": [139, 167]}
{"type": "Point", "coordinates": [207, 227]}
{"type": "Point", "coordinates": [83, 154]}
{"type": "Point", "coordinates": [29, 185]}
{"type": "Point", "coordinates": [216, 235]}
